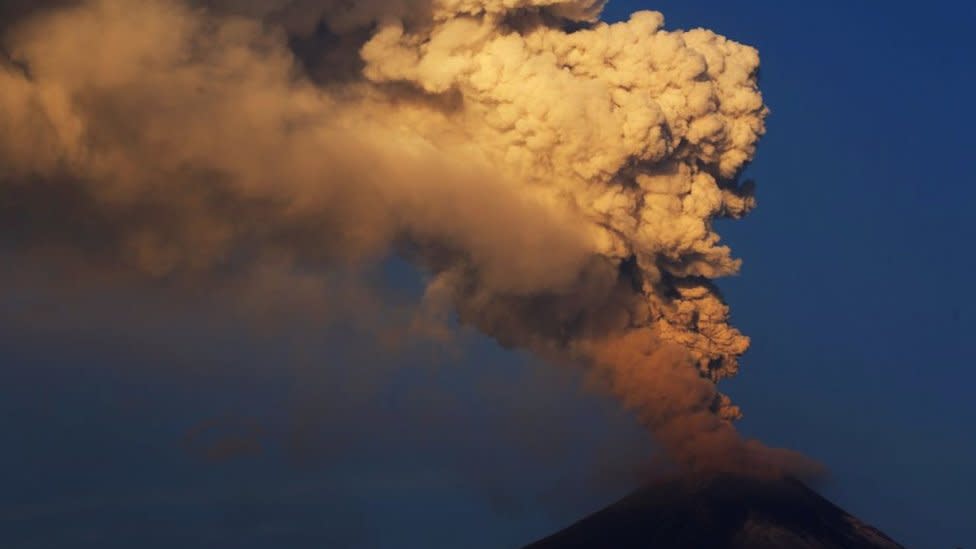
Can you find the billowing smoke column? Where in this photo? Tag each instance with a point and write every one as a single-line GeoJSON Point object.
{"type": "Point", "coordinates": [556, 176]}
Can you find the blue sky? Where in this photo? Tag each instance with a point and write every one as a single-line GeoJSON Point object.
{"type": "Point", "coordinates": [857, 264]}
{"type": "Point", "coordinates": [855, 289]}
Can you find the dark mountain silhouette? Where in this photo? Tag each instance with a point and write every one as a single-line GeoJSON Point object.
{"type": "Point", "coordinates": [718, 512]}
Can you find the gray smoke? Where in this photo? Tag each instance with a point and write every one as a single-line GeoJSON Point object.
{"type": "Point", "coordinates": [556, 176]}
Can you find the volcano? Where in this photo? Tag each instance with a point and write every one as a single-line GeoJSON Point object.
{"type": "Point", "coordinates": [723, 511]}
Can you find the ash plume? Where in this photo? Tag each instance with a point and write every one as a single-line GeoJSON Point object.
{"type": "Point", "coordinates": [555, 176]}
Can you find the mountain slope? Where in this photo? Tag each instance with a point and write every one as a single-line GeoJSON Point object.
{"type": "Point", "coordinates": [722, 511]}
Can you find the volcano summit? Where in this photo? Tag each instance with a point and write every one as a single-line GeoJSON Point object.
{"type": "Point", "coordinates": [723, 511]}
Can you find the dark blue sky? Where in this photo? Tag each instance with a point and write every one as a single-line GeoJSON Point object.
{"type": "Point", "coordinates": [857, 286]}
{"type": "Point", "coordinates": [188, 430]}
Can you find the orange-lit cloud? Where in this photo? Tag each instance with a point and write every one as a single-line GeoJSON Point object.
{"type": "Point", "coordinates": [557, 186]}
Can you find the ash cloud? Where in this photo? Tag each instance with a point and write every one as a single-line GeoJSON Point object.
{"type": "Point", "coordinates": [554, 175]}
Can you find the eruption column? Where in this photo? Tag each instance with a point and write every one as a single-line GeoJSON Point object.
{"type": "Point", "coordinates": [556, 176]}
